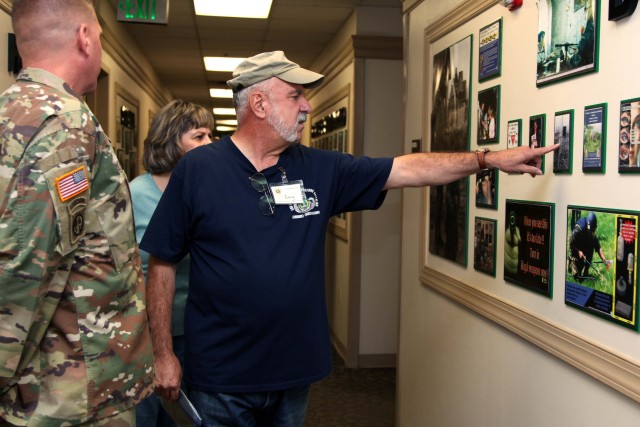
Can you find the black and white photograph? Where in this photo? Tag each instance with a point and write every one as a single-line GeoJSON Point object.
{"type": "Point", "coordinates": [563, 135]}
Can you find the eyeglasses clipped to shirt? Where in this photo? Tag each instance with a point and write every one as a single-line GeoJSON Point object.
{"type": "Point", "coordinates": [266, 203]}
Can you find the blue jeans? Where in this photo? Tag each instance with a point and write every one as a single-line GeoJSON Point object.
{"type": "Point", "coordinates": [284, 408]}
{"type": "Point", "coordinates": [149, 412]}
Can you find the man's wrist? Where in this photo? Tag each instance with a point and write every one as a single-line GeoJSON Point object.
{"type": "Point", "coordinates": [481, 158]}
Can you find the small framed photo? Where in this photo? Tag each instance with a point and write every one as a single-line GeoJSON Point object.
{"type": "Point", "coordinates": [528, 245]}
{"type": "Point", "coordinates": [488, 115]}
{"type": "Point", "coordinates": [601, 275]}
{"type": "Point", "coordinates": [629, 138]}
{"type": "Point", "coordinates": [487, 189]}
{"type": "Point", "coordinates": [484, 246]}
{"type": "Point", "coordinates": [573, 51]}
{"type": "Point", "coordinates": [490, 54]}
{"type": "Point", "coordinates": [594, 137]}
{"type": "Point", "coordinates": [537, 132]}
{"type": "Point", "coordinates": [514, 132]}
{"type": "Point", "coordinates": [563, 135]}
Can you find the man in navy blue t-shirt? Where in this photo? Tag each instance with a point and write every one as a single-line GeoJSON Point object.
{"type": "Point", "coordinates": [252, 211]}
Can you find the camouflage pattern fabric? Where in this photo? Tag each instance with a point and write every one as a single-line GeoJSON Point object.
{"type": "Point", "coordinates": [74, 338]}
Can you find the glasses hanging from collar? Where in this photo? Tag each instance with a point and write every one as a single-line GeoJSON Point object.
{"type": "Point", "coordinates": [266, 203]}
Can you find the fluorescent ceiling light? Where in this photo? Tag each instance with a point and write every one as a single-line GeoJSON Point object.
{"type": "Point", "coordinates": [229, 122]}
{"type": "Point", "coordinates": [225, 128]}
{"type": "Point", "coordinates": [221, 63]}
{"type": "Point", "coordinates": [233, 8]}
{"type": "Point", "coordinates": [224, 111]}
{"type": "Point", "coordinates": [221, 93]}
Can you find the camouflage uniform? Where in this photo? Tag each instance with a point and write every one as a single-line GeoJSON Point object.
{"type": "Point", "coordinates": [74, 339]}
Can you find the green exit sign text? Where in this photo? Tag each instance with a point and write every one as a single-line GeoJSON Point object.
{"type": "Point", "coordinates": [145, 11]}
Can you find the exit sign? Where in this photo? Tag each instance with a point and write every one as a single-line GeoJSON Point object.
{"type": "Point", "coordinates": [145, 11]}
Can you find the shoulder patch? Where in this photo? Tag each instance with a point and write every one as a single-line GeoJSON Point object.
{"type": "Point", "coordinates": [72, 183]}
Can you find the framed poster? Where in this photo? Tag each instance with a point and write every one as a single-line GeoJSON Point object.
{"type": "Point", "coordinates": [490, 51]}
{"type": "Point", "coordinates": [488, 115]}
{"type": "Point", "coordinates": [602, 263]}
{"type": "Point", "coordinates": [528, 245]}
{"type": "Point", "coordinates": [450, 131]}
{"type": "Point", "coordinates": [487, 189]}
{"type": "Point", "coordinates": [594, 137]}
{"type": "Point", "coordinates": [536, 133]}
{"type": "Point", "coordinates": [567, 44]}
{"type": "Point", "coordinates": [629, 139]}
{"type": "Point", "coordinates": [514, 132]}
{"type": "Point", "coordinates": [563, 135]}
{"type": "Point", "coordinates": [484, 246]}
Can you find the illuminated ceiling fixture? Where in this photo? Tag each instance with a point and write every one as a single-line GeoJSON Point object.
{"type": "Point", "coordinates": [233, 8]}
{"type": "Point", "coordinates": [225, 128]}
{"type": "Point", "coordinates": [229, 122]}
{"type": "Point", "coordinates": [221, 93]}
{"type": "Point", "coordinates": [224, 111]}
{"type": "Point", "coordinates": [221, 63]}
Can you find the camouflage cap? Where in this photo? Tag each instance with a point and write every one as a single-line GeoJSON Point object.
{"type": "Point", "coordinates": [271, 64]}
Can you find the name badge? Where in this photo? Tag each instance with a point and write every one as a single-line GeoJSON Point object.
{"type": "Point", "coordinates": [287, 193]}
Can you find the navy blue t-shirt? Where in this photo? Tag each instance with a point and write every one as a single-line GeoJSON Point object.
{"type": "Point", "coordinates": [256, 317]}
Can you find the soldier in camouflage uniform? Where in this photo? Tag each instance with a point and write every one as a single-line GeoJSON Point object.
{"type": "Point", "coordinates": [74, 340]}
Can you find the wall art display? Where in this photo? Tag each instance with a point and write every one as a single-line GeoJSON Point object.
{"type": "Point", "coordinates": [563, 135]}
{"type": "Point", "coordinates": [487, 189]}
{"type": "Point", "coordinates": [449, 131]}
{"type": "Point", "coordinates": [490, 55]}
{"type": "Point", "coordinates": [484, 245]}
{"type": "Point", "coordinates": [619, 9]}
{"type": "Point", "coordinates": [514, 132]}
{"type": "Point", "coordinates": [488, 115]}
{"type": "Point", "coordinates": [602, 262]}
{"type": "Point", "coordinates": [127, 125]}
{"type": "Point", "coordinates": [567, 39]}
{"type": "Point", "coordinates": [528, 245]}
{"type": "Point", "coordinates": [629, 139]}
{"type": "Point", "coordinates": [536, 133]}
{"type": "Point", "coordinates": [595, 131]}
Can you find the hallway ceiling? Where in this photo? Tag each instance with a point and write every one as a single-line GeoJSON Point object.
{"type": "Point", "coordinates": [301, 28]}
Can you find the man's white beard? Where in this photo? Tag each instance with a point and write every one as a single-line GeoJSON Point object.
{"type": "Point", "coordinates": [288, 134]}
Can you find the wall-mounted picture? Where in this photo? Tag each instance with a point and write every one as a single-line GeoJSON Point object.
{"type": "Point", "coordinates": [490, 51]}
{"type": "Point", "coordinates": [488, 115]}
{"type": "Point", "coordinates": [602, 263]}
{"type": "Point", "coordinates": [528, 245]}
{"type": "Point", "coordinates": [629, 138]}
{"type": "Point", "coordinates": [484, 245]}
{"type": "Point", "coordinates": [594, 137]}
{"type": "Point", "coordinates": [487, 189]}
{"type": "Point", "coordinates": [450, 131]}
{"type": "Point", "coordinates": [567, 41]}
{"type": "Point", "coordinates": [563, 135]}
{"type": "Point", "coordinates": [536, 133]}
{"type": "Point", "coordinates": [514, 132]}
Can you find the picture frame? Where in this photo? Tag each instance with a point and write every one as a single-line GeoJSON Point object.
{"type": "Point", "coordinates": [528, 245]}
{"type": "Point", "coordinates": [489, 115]}
{"type": "Point", "coordinates": [490, 51]}
{"type": "Point", "coordinates": [514, 133]}
{"type": "Point", "coordinates": [594, 138]}
{"type": "Point", "coordinates": [629, 136]}
{"type": "Point", "coordinates": [484, 245]}
{"type": "Point", "coordinates": [537, 131]}
{"type": "Point", "coordinates": [486, 189]}
{"type": "Point", "coordinates": [567, 40]}
{"type": "Point", "coordinates": [563, 135]}
{"type": "Point", "coordinates": [604, 286]}
{"type": "Point", "coordinates": [450, 130]}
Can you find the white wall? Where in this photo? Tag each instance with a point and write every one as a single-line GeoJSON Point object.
{"type": "Point", "coordinates": [455, 367]}
{"type": "Point", "coordinates": [6, 78]}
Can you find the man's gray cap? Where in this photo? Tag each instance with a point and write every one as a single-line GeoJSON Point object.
{"type": "Point", "coordinates": [271, 64]}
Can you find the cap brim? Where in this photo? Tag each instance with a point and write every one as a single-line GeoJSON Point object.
{"type": "Point", "coordinates": [301, 76]}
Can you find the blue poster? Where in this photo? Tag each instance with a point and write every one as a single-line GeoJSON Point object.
{"type": "Point", "coordinates": [489, 51]}
{"type": "Point", "coordinates": [593, 138]}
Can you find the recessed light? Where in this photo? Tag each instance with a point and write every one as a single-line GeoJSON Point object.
{"type": "Point", "coordinates": [233, 8]}
{"type": "Point", "coordinates": [221, 63]}
{"type": "Point", "coordinates": [221, 93]}
{"type": "Point", "coordinates": [224, 111]}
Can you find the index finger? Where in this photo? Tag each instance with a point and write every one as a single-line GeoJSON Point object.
{"type": "Point", "coordinates": [544, 150]}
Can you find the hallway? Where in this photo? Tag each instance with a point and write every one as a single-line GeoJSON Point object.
{"type": "Point", "coordinates": [353, 398]}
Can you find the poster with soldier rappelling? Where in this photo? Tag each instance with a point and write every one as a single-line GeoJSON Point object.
{"type": "Point", "coordinates": [601, 271]}
{"type": "Point", "coordinates": [528, 245]}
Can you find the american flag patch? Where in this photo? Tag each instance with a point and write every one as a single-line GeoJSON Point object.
{"type": "Point", "coordinates": [73, 183]}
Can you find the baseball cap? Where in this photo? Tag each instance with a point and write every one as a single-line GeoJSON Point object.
{"type": "Point", "coordinates": [271, 64]}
